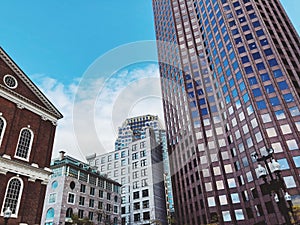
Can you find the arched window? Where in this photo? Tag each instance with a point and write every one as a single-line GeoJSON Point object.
{"type": "Point", "coordinates": [2, 128]}
{"type": "Point", "coordinates": [69, 213]}
{"type": "Point", "coordinates": [24, 144]}
{"type": "Point", "coordinates": [115, 221]}
{"type": "Point", "coordinates": [13, 195]}
{"type": "Point", "coordinates": [50, 214]}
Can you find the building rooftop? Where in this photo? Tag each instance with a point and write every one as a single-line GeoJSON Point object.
{"type": "Point", "coordinates": [68, 160]}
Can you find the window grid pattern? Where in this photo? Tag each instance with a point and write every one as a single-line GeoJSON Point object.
{"type": "Point", "coordinates": [2, 128]}
{"type": "Point", "coordinates": [13, 195]}
{"type": "Point", "coordinates": [24, 143]}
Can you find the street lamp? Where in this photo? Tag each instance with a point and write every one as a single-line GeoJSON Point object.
{"type": "Point", "coordinates": [275, 184]}
{"type": "Point", "coordinates": [7, 215]}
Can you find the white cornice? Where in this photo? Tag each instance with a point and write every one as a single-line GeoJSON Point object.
{"type": "Point", "coordinates": [10, 63]}
{"type": "Point", "coordinates": [32, 172]}
{"type": "Point", "coordinates": [21, 103]}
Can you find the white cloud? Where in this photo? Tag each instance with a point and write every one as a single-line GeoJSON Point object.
{"type": "Point", "coordinates": [89, 125]}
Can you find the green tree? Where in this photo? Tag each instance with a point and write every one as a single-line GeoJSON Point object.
{"type": "Point", "coordinates": [78, 221]}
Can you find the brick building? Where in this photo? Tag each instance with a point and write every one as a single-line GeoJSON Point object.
{"type": "Point", "coordinates": [27, 128]}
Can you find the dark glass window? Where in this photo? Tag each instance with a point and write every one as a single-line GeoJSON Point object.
{"type": "Point", "coordinates": [145, 193]}
{"type": "Point", "coordinates": [239, 12]}
{"type": "Point", "coordinates": [265, 77]}
{"type": "Point", "coordinates": [260, 66]}
{"type": "Point", "coordinates": [232, 23]}
{"type": "Point", "coordinates": [256, 55]}
{"type": "Point", "coordinates": [264, 42]}
{"type": "Point", "coordinates": [204, 112]}
{"type": "Point", "coordinates": [252, 46]}
{"type": "Point", "coordinates": [136, 195]}
{"type": "Point", "coordinates": [242, 19]}
{"type": "Point", "coordinates": [256, 24]}
{"type": "Point", "coordinates": [256, 92]}
{"type": "Point", "coordinates": [249, 7]}
{"type": "Point", "coordinates": [241, 49]}
{"type": "Point", "coordinates": [269, 89]}
{"type": "Point", "coordinates": [236, 4]}
{"type": "Point", "coordinates": [283, 85]}
{"type": "Point", "coordinates": [252, 16]}
{"type": "Point", "coordinates": [235, 31]}
{"type": "Point", "coordinates": [277, 73]}
{"type": "Point", "coordinates": [238, 40]}
{"type": "Point", "coordinates": [245, 59]}
{"type": "Point", "coordinates": [261, 104]}
{"type": "Point", "coordinates": [288, 97]}
{"type": "Point", "coordinates": [274, 101]}
{"type": "Point", "coordinates": [245, 28]}
{"type": "Point", "coordinates": [252, 80]}
{"type": "Point", "coordinates": [260, 33]}
{"type": "Point", "coordinates": [273, 62]}
{"type": "Point", "coordinates": [268, 52]}
{"type": "Point", "coordinates": [249, 36]}
{"type": "Point", "coordinates": [248, 69]}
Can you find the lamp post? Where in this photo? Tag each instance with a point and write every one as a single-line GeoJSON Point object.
{"type": "Point", "coordinates": [275, 184]}
{"type": "Point", "coordinates": [7, 215]}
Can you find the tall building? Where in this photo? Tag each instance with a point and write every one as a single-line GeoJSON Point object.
{"type": "Point", "coordinates": [230, 83]}
{"type": "Point", "coordinates": [27, 129]}
{"type": "Point", "coordinates": [137, 163]}
{"type": "Point", "coordinates": [78, 191]}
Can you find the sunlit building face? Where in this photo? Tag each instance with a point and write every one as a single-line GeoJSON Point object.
{"type": "Point", "coordinates": [230, 84]}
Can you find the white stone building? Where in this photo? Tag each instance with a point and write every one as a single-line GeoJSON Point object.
{"type": "Point", "coordinates": [137, 163]}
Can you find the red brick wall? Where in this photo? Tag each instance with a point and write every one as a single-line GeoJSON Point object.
{"type": "Point", "coordinates": [32, 200]}
{"type": "Point", "coordinates": [33, 194]}
{"type": "Point", "coordinates": [43, 133]}
{"type": "Point", "coordinates": [22, 88]}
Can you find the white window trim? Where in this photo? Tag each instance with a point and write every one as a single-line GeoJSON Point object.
{"type": "Point", "coordinates": [30, 145]}
{"type": "Point", "coordinates": [55, 198]}
{"type": "Point", "coordinates": [15, 215]}
{"type": "Point", "coordinates": [4, 127]}
{"type": "Point", "coordinates": [72, 203]}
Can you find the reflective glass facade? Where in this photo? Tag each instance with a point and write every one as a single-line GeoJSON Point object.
{"type": "Point", "coordinates": [230, 84]}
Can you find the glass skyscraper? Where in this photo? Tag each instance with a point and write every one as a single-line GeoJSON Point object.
{"type": "Point", "coordinates": [230, 83]}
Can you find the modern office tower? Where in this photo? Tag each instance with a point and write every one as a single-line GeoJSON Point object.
{"type": "Point", "coordinates": [27, 128]}
{"type": "Point", "coordinates": [230, 83]}
{"type": "Point", "coordinates": [137, 163]}
{"type": "Point", "coordinates": [76, 191]}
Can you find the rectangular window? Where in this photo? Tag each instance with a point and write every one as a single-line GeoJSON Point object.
{"type": "Point", "coordinates": [71, 198]}
{"type": "Point", "coordinates": [91, 203]}
{"type": "Point", "coordinates": [146, 204]}
{"type": "Point", "coordinates": [136, 206]}
{"type": "Point", "coordinates": [108, 207]}
{"type": "Point", "coordinates": [82, 188]}
{"type": "Point", "coordinates": [52, 198]}
{"type": "Point", "coordinates": [81, 200]}
{"type": "Point", "coordinates": [145, 193]}
{"type": "Point", "coordinates": [136, 195]}
{"type": "Point", "coordinates": [92, 191]}
{"type": "Point", "coordinates": [143, 162]}
{"type": "Point", "coordinates": [100, 205]}
{"type": "Point", "coordinates": [91, 216]}
{"type": "Point", "coordinates": [80, 213]}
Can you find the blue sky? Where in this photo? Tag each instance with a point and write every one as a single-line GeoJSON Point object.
{"type": "Point", "coordinates": [62, 38]}
{"type": "Point", "coordinates": [56, 42]}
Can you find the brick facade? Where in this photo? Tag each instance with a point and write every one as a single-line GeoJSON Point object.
{"type": "Point", "coordinates": [24, 106]}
